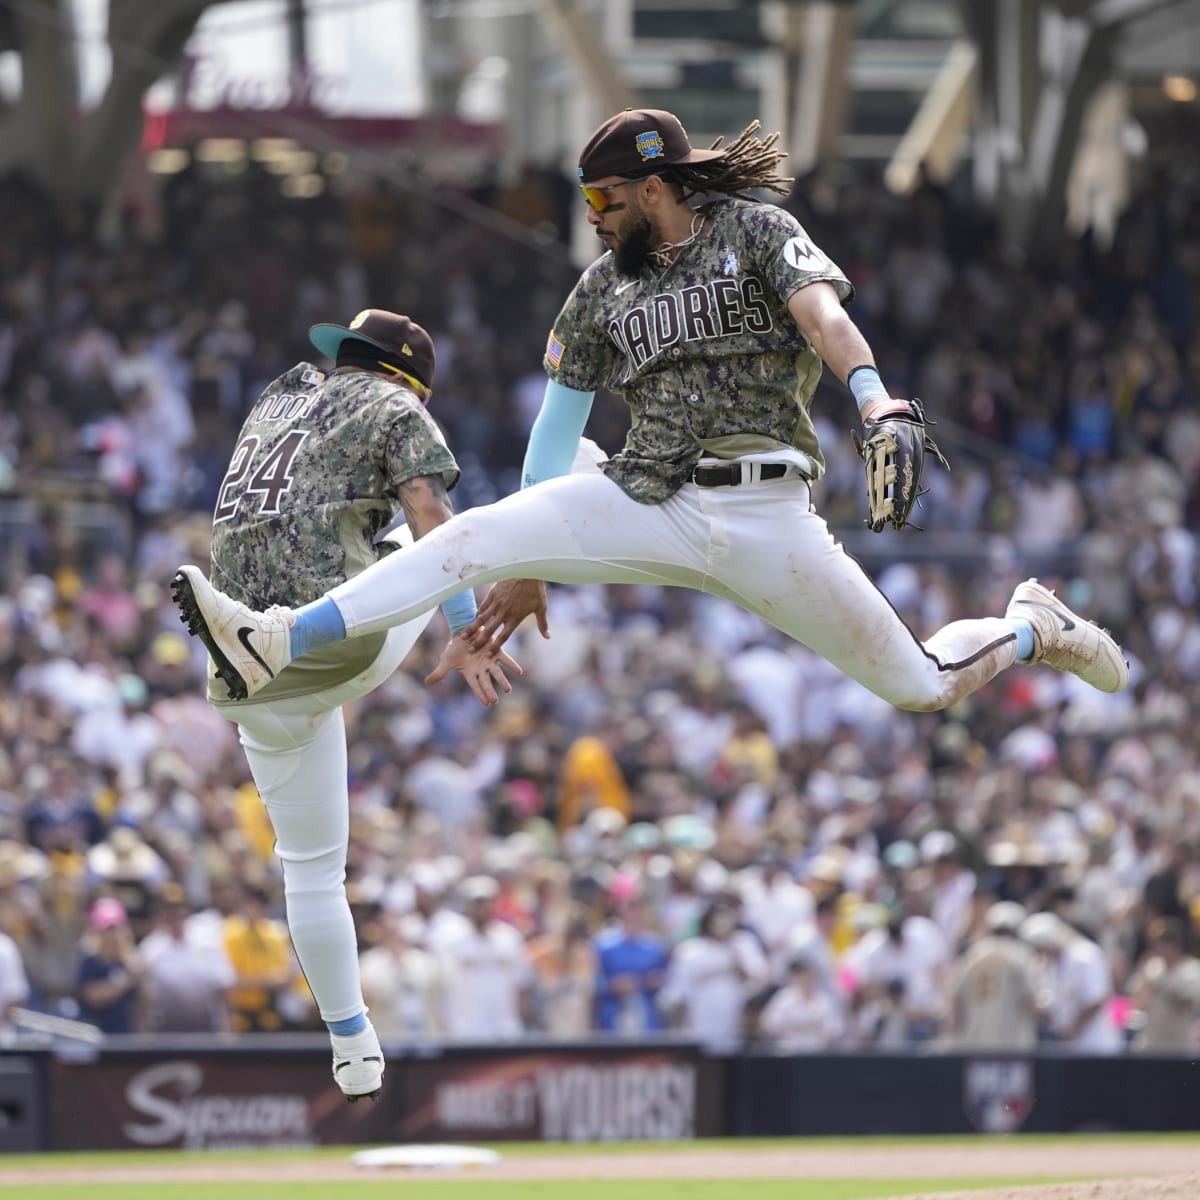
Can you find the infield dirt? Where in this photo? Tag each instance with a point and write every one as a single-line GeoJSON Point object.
{"type": "Point", "coordinates": [1146, 1171]}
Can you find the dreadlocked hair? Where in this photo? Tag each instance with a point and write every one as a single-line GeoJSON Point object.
{"type": "Point", "coordinates": [747, 163]}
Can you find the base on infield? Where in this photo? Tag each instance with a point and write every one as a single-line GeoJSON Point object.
{"type": "Point", "coordinates": [429, 1158]}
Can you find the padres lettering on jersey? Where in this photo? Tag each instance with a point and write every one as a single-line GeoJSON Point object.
{"type": "Point", "coordinates": [313, 480]}
{"type": "Point", "coordinates": [705, 351]}
{"type": "Point", "coordinates": [718, 309]}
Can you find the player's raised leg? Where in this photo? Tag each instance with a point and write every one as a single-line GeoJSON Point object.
{"type": "Point", "coordinates": [810, 588]}
{"type": "Point", "coordinates": [574, 529]}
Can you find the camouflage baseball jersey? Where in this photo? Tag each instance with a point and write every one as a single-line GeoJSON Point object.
{"type": "Point", "coordinates": [704, 351]}
{"type": "Point", "coordinates": [313, 480]}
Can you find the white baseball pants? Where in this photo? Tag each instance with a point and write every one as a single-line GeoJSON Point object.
{"type": "Point", "coordinates": [759, 545]}
{"type": "Point", "coordinates": [296, 749]}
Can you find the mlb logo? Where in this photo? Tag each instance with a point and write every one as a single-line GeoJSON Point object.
{"type": "Point", "coordinates": [998, 1094]}
{"type": "Point", "coordinates": [649, 144]}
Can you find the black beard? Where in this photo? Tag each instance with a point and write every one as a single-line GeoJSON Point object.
{"type": "Point", "coordinates": [632, 255]}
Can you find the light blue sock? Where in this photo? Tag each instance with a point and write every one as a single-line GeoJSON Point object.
{"type": "Point", "coordinates": [1024, 632]}
{"type": "Point", "coordinates": [350, 1026]}
{"type": "Point", "coordinates": [317, 624]}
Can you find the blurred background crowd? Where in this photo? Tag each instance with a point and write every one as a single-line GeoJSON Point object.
{"type": "Point", "coordinates": [679, 820]}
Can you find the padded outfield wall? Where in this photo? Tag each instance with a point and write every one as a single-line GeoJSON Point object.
{"type": "Point", "coordinates": [277, 1091]}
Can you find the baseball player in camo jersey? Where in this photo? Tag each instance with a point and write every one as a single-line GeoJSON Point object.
{"type": "Point", "coordinates": [712, 321]}
{"type": "Point", "coordinates": [323, 465]}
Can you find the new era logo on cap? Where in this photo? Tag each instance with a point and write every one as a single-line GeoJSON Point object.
{"type": "Point", "coordinates": [394, 335]}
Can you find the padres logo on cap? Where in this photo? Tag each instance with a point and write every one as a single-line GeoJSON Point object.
{"type": "Point", "coordinates": [649, 144]}
{"type": "Point", "coordinates": [361, 319]}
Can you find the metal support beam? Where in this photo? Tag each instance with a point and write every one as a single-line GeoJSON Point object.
{"type": "Point", "coordinates": [1099, 183]}
{"type": "Point", "coordinates": [1040, 63]}
{"type": "Point", "coordinates": [576, 33]}
{"type": "Point", "coordinates": [939, 133]}
{"type": "Point", "coordinates": [1078, 58]}
{"type": "Point", "coordinates": [818, 117]}
{"type": "Point", "coordinates": [297, 27]}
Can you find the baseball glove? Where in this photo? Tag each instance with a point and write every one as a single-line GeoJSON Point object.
{"type": "Point", "coordinates": [893, 446]}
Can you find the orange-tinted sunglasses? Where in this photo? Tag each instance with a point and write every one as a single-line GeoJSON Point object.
{"type": "Point", "coordinates": [597, 197]}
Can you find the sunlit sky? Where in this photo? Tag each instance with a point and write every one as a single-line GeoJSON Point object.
{"type": "Point", "coordinates": [365, 55]}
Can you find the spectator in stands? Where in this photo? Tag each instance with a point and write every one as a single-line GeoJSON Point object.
{"type": "Point", "coordinates": [164, 800]}
{"type": "Point", "coordinates": [952, 886]}
{"type": "Point", "coordinates": [112, 971]}
{"type": "Point", "coordinates": [591, 778]}
{"type": "Point", "coordinates": [993, 988]}
{"type": "Point", "coordinates": [187, 982]}
{"type": "Point", "coordinates": [14, 986]}
{"type": "Point", "coordinates": [124, 866]}
{"type": "Point", "coordinates": [632, 964]}
{"type": "Point", "coordinates": [441, 923]}
{"type": "Point", "coordinates": [713, 976]}
{"type": "Point", "coordinates": [774, 905]}
{"type": "Point", "coordinates": [565, 967]}
{"type": "Point", "coordinates": [812, 941]}
{"type": "Point", "coordinates": [403, 985]}
{"type": "Point", "coordinates": [206, 926]}
{"type": "Point", "coordinates": [877, 1018]}
{"type": "Point", "coordinates": [801, 1017]}
{"type": "Point", "coordinates": [1166, 992]}
{"type": "Point", "coordinates": [121, 734]}
{"type": "Point", "coordinates": [489, 980]}
{"type": "Point", "coordinates": [1164, 896]}
{"type": "Point", "coordinates": [110, 603]}
{"type": "Point", "coordinates": [910, 950]}
{"type": "Point", "coordinates": [53, 938]}
{"type": "Point", "coordinates": [62, 815]}
{"type": "Point", "coordinates": [264, 966]}
{"type": "Point", "coordinates": [1075, 986]}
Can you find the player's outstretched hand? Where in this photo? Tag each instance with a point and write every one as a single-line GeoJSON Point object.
{"type": "Point", "coordinates": [506, 605]}
{"type": "Point", "coordinates": [483, 669]}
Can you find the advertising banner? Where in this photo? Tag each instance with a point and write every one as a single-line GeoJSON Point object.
{"type": "Point", "coordinates": [201, 1102]}
{"type": "Point", "coordinates": [564, 1096]}
{"type": "Point", "coordinates": [197, 1102]}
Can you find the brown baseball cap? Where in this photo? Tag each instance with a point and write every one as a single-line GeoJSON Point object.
{"type": "Point", "coordinates": [407, 347]}
{"type": "Point", "coordinates": [638, 141]}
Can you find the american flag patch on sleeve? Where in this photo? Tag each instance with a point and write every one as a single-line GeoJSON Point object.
{"type": "Point", "coordinates": [554, 350]}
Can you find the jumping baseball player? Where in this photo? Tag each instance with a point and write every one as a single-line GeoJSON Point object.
{"type": "Point", "coordinates": [323, 465]}
{"type": "Point", "coordinates": [713, 322]}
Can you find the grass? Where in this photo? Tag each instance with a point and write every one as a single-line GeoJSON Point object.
{"type": "Point", "coordinates": [162, 1158]}
{"type": "Point", "coordinates": [413, 1188]}
{"type": "Point", "coordinates": [410, 1186]}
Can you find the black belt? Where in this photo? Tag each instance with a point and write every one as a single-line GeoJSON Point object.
{"type": "Point", "coordinates": [730, 475]}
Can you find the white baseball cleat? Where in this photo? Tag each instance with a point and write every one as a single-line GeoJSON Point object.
{"type": "Point", "coordinates": [358, 1064]}
{"type": "Point", "coordinates": [1064, 640]}
{"type": "Point", "coordinates": [248, 648]}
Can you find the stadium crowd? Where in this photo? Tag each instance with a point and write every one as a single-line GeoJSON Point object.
{"type": "Point", "coordinates": [679, 820]}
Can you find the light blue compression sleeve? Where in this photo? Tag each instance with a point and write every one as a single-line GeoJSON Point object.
{"type": "Point", "coordinates": [459, 610]}
{"type": "Point", "coordinates": [555, 435]}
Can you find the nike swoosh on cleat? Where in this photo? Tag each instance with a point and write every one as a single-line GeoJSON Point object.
{"type": "Point", "coordinates": [243, 636]}
{"type": "Point", "coordinates": [1067, 623]}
